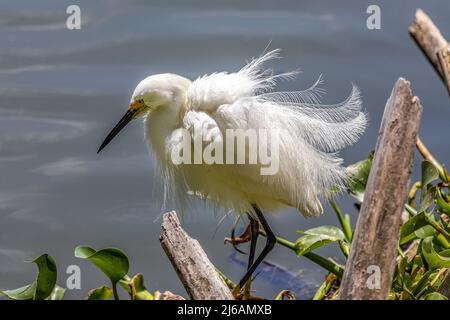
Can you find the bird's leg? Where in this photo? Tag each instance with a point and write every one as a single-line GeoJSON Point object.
{"type": "Point", "coordinates": [254, 231]}
{"type": "Point", "coordinates": [271, 240]}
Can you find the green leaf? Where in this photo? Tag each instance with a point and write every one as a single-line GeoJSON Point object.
{"type": "Point", "coordinates": [317, 237]}
{"type": "Point", "coordinates": [422, 282]}
{"type": "Point", "coordinates": [359, 174]}
{"type": "Point", "coordinates": [57, 293]}
{"type": "Point", "coordinates": [42, 286]}
{"type": "Point", "coordinates": [46, 278]}
{"type": "Point", "coordinates": [138, 291]}
{"type": "Point", "coordinates": [429, 173]}
{"type": "Point", "coordinates": [135, 287]}
{"type": "Point", "coordinates": [425, 232]}
{"type": "Point", "coordinates": [101, 293]}
{"type": "Point", "coordinates": [434, 260]}
{"type": "Point", "coordinates": [322, 291]}
{"type": "Point", "coordinates": [401, 269]}
{"type": "Point", "coordinates": [420, 233]}
{"type": "Point", "coordinates": [111, 261]}
{"type": "Point", "coordinates": [330, 231]}
{"type": "Point", "coordinates": [428, 196]}
{"type": "Point", "coordinates": [409, 227]}
{"type": "Point", "coordinates": [442, 203]}
{"type": "Point", "coordinates": [435, 296]}
{"type": "Point", "coordinates": [22, 293]}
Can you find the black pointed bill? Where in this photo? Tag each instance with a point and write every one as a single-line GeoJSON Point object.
{"type": "Point", "coordinates": [119, 126]}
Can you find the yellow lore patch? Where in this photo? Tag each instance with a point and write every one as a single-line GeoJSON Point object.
{"type": "Point", "coordinates": [135, 106]}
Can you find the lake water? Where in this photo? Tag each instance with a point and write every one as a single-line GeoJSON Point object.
{"type": "Point", "coordinates": [62, 91]}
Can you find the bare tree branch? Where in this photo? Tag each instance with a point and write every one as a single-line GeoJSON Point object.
{"type": "Point", "coordinates": [193, 267]}
{"type": "Point", "coordinates": [369, 269]}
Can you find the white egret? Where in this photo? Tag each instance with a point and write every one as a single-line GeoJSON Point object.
{"type": "Point", "coordinates": [311, 134]}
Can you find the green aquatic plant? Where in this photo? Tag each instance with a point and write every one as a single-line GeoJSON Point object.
{"type": "Point", "coordinates": [424, 249]}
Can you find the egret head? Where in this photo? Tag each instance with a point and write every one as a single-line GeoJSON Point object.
{"type": "Point", "coordinates": [154, 93]}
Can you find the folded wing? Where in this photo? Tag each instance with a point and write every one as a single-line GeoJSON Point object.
{"type": "Point", "coordinates": [309, 135]}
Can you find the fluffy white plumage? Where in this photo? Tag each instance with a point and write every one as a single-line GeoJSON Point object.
{"type": "Point", "coordinates": [312, 134]}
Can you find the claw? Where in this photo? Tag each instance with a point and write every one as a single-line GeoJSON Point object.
{"type": "Point", "coordinates": [245, 237]}
{"type": "Point", "coordinates": [245, 295]}
{"type": "Point", "coordinates": [238, 295]}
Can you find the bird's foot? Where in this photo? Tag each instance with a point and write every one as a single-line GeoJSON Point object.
{"type": "Point", "coordinates": [237, 294]}
{"type": "Point", "coordinates": [245, 237]}
{"type": "Point", "coordinates": [245, 294]}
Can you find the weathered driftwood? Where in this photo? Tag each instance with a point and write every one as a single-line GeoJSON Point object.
{"type": "Point", "coordinates": [193, 267]}
{"type": "Point", "coordinates": [167, 295]}
{"type": "Point", "coordinates": [444, 64]}
{"type": "Point", "coordinates": [428, 38]}
{"type": "Point", "coordinates": [370, 266]}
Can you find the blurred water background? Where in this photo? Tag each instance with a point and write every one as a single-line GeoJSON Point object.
{"type": "Point", "coordinates": [61, 91]}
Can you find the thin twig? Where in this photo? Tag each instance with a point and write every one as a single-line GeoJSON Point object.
{"type": "Point", "coordinates": [412, 193]}
{"type": "Point", "coordinates": [426, 154]}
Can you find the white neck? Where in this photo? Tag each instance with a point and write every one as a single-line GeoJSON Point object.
{"type": "Point", "coordinates": [159, 126]}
